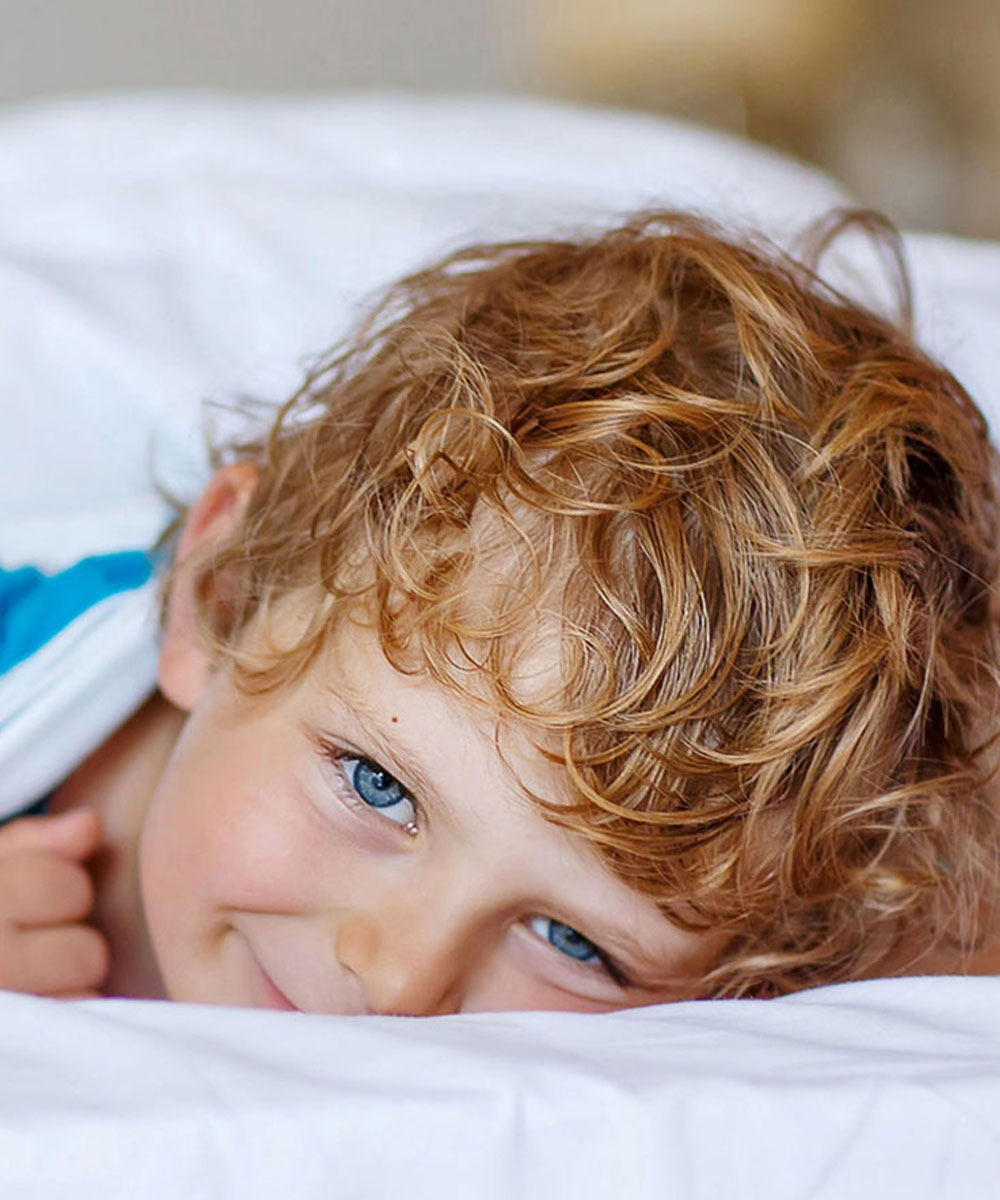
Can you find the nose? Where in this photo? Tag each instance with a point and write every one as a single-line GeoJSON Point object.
{"type": "Point", "coordinates": [406, 962]}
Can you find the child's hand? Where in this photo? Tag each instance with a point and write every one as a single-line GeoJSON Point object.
{"type": "Point", "coordinates": [45, 894]}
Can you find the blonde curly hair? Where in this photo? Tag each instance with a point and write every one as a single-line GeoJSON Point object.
{"type": "Point", "coordinates": [763, 526]}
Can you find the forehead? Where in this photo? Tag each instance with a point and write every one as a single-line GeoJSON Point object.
{"type": "Point", "coordinates": [448, 704]}
{"type": "Point", "coordinates": [483, 614]}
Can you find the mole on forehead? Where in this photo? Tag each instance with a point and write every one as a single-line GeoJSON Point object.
{"type": "Point", "coordinates": [389, 751]}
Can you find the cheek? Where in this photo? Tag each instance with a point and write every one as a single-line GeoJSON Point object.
{"type": "Point", "coordinates": [226, 829]}
{"type": "Point", "coordinates": [509, 991]}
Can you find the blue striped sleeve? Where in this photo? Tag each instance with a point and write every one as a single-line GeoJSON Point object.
{"type": "Point", "coordinates": [34, 607]}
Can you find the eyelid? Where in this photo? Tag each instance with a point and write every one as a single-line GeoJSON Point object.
{"type": "Point", "coordinates": [609, 964]}
{"type": "Point", "coordinates": [339, 752]}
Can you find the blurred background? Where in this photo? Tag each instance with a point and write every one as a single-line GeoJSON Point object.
{"type": "Point", "coordinates": [900, 99]}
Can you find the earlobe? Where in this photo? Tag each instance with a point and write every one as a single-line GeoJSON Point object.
{"type": "Point", "coordinates": [185, 660]}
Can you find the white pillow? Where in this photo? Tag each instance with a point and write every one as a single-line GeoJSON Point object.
{"type": "Point", "coordinates": [159, 251]}
{"type": "Point", "coordinates": [163, 250]}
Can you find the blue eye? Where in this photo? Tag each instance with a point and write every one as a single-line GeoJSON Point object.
{"type": "Point", "coordinates": [565, 939]}
{"type": "Point", "coordinates": [380, 790]}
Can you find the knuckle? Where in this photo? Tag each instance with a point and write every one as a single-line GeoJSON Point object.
{"type": "Point", "coordinates": [18, 831]}
{"type": "Point", "coordinates": [54, 960]}
{"type": "Point", "coordinates": [88, 958]}
{"type": "Point", "coordinates": [39, 887]}
{"type": "Point", "coordinates": [15, 974]}
{"type": "Point", "coordinates": [12, 830]}
{"type": "Point", "coordinates": [76, 889]}
{"type": "Point", "coordinates": [15, 868]}
{"type": "Point", "coordinates": [18, 879]}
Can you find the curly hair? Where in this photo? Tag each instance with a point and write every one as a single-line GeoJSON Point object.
{"type": "Point", "coordinates": [763, 526]}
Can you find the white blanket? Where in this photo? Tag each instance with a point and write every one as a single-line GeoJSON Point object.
{"type": "Point", "coordinates": [159, 251]}
{"type": "Point", "coordinates": [862, 1092]}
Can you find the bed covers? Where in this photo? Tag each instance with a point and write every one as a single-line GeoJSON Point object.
{"type": "Point", "coordinates": [881, 1089]}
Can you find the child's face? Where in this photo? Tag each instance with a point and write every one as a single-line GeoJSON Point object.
{"type": "Point", "coordinates": [363, 843]}
{"type": "Point", "coordinates": [275, 855]}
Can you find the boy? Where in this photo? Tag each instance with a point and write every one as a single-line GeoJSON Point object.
{"type": "Point", "coordinates": [612, 621]}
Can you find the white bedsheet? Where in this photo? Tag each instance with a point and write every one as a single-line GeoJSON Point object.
{"type": "Point", "coordinates": [862, 1092]}
{"type": "Point", "coordinates": [158, 251]}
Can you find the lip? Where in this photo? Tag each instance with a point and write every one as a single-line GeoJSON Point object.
{"type": "Point", "coordinates": [274, 996]}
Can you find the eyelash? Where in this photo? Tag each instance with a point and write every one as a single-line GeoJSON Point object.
{"type": "Point", "coordinates": [612, 968]}
{"type": "Point", "coordinates": [338, 755]}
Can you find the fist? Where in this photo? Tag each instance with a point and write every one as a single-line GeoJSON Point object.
{"type": "Point", "coordinates": [46, 894]}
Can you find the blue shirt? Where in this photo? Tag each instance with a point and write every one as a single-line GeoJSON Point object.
{"type": "Point", "coordinates": [34, 607]}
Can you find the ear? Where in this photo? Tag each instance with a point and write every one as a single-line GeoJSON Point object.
{"type": "Point", "coordinates": [185, 664]}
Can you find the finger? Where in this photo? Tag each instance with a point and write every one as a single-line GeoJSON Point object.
{"type": "Point", "coordinates": [83, 994]}
{"type": "Point", "coordinates": [74, 834]}
{"type": "Point", "coordinates": [58, 959]}
{"type": "Point", "coordinates": [42, 889]}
